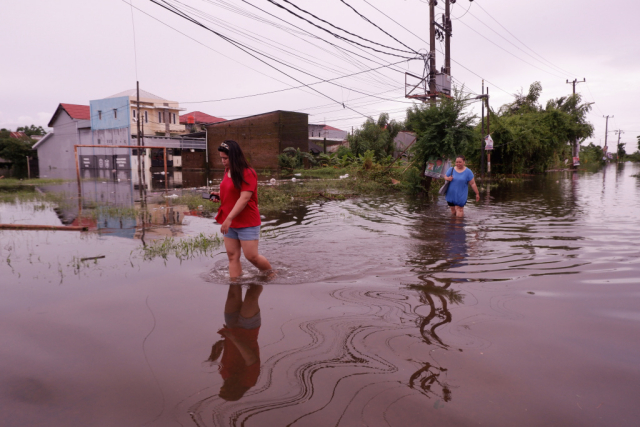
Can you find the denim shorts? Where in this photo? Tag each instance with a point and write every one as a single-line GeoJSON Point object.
{"type": "Point", "coordinates": [234, 320]}
{"type": "Point", "coordinates": [245, 233]}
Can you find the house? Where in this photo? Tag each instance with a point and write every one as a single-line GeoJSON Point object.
{"type": "Point", "coordinates": [262, 137]}
{"type": "Point", "coordinates": [196, 121]}
{"type": "Point", "coordinates": [113, 121]}
{"type": "Point", "coordinates": [159, 116]}
{"type": "Point", "coordinates": [71, 125]}
{"type": "Point", "coordinates": [18, 135]}
{"type": "Point", "coordinates": [327, 137]}
{"type": "Point", "coordinates": [403, 141]}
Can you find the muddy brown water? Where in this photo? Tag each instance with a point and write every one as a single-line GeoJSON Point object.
{"type": "Point", "coordinates": [385, 312]}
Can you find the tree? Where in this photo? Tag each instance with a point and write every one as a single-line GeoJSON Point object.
{"type": "Point", "coordinates": [375, 136]}
{"type": "Point", "coordinates": [32, 130]}
{"type": "Point", "coordinates": [16, 151]}
{"type": "Point", "coordinates": [442, 130]}
{"type": "Point", "coordinates": [530, 138]}
{"type": "Point", "coordinates": [622, 153]}
{"type": "Point", "coordinates": [638, 142]}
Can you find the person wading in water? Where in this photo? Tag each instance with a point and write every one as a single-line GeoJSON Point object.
{"type": "Point", "coordinates": [238, 213]}
{"type": "Point", "coordinates": [460, 178]}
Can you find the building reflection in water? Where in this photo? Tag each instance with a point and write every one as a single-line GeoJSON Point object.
{"type": "Point", "coordinates": [239, 365]}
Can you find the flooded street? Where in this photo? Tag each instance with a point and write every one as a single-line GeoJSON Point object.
{"type": "Point", "coordinates": [385, 311]}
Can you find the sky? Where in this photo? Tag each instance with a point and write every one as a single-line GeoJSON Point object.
{"type": "Point", "coordinates": [74, 51]}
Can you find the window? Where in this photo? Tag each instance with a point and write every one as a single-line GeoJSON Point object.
{"type": "Point", "coordinates": [99, 114]}
{"type": "Point", "coordinates": [146, 117]}
{"type": "Point", "coordinates": [115, 113]}
{"type": "Point", "coordinates": [159, 117]}
{"type": "Point", "coordinates": [98, 141]}
{"type": "Point", "coordinates": [174, 118]}
{"type": "Point", "coordinates": [134, 113]}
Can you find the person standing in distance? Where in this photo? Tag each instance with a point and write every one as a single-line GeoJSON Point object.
{"type": "Point", "coordinates": [238, 213]}
{"type": "Point", "coordinates": [460, 178]}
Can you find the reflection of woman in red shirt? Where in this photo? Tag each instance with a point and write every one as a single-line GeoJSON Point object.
{"type": "Point", "coordinates": [238, 213]}
{"type": "Point", "coordinates": [240, 363]}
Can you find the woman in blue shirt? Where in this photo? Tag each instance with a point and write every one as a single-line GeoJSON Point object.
{"type": "Point", "coordinates": [461, 177]}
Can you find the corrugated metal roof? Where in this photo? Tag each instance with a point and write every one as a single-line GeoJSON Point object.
{"type": "Point", "coordinates": [18, 135]}
{"type": "Point", "coordinates": [200, 117]}
{"type": "Point", "coordinates": [143, 94]}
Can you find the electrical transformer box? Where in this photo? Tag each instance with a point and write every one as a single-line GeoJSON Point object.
{"type": "Point", "coordinates": [443, 83]}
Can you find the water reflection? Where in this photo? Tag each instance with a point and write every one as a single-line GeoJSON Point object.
{"type": "Point", "coordinates": [240, 362]}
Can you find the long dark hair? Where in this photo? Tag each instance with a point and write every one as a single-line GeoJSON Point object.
{"type": "Point", "coordinates": [237, 162]}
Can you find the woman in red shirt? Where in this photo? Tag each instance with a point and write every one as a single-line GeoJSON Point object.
{"type": "Point", "coordinates": [238, 213]}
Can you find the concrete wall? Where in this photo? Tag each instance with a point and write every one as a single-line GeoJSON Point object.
{"type": "Point", "coordinates": [261, 137]}
{"type": "Point", "coordinates": [103, 113]}
{"type": "Point", "coordinates": [56, 154]}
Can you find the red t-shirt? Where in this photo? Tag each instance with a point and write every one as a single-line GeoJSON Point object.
{"type": "Point", "coordinates": [232, 363]}
{"type": "Point", "coordinates": [229, 195]}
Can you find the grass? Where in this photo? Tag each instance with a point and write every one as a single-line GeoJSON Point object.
{"type": "Point", "coordinates": [182, 249]}
{"type": "Point", "coordinates": [13, 182]}
{"type": "Point", "coordinates": [194, 200]}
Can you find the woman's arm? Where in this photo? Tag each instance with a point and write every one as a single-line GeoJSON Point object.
{"type": "Point", "coordinates": [475, 188]}
{"type": "Point", "coordinates": [244, 198]}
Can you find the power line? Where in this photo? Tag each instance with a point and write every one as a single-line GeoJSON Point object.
{"type": "Point", "coordinates": [337, 35]}
{"type": "Point", "coordinates": [370, 22]}
{"type": "Point", "coordinates": [135, 49]}
{"type": "Point", "coordinates": [246, 49]}
{"type": "Point", "coordinates": [291, 88]}
{"type": "Point", "coordinates": [510, 53]}
{"type": "Point", "coordinates": [491, 16]}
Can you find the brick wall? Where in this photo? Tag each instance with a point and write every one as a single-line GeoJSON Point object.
{"type": "Point", "coordinates": [195, 160]}
{"type": "Point", "coordinates": [261, 137]}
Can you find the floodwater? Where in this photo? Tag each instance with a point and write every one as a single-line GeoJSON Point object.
{"type": "Point", "coordinates": [385, 312]}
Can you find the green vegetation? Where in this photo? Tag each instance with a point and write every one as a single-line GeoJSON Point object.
{"type": "Point", "coordinates": [14, 182]}
{"type": "Point", "coordinates": [194, 201]}
{"type": "Point", "coordinates": [182, 249]}
{"type": "Point", "coordinates": [374, 136]}
{"type": "Point", "coordinates": [531, 138]}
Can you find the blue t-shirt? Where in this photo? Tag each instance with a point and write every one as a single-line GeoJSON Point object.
{"type": "Point", "coordinates": [458, 190]}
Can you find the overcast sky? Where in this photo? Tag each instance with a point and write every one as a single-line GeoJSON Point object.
{"type": "Point", "coordinates": [73, 51]}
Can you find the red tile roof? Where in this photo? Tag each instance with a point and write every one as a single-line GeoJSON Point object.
{"type": "Point", "coordinates": [199, 117]}
{"type": "Point", "coordinates": [327, 127]}
{"type": "Point", "coordinates": [78, 112]}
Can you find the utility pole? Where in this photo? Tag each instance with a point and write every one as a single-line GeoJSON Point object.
{"type": "Point", "coordinates": [576, 150]}
{"type": "Point", "coordinates": [488, 133]}
{"type": "Point", "coordinates": [575, 82]}
{"type": "Point", "coordinates": [619, 132]}
{"type": "Point", "coordinates": [432, 51]}
{"type": "Point", "coordinates": [447, 34]}
{"type": "Point", "coordinates": [482, 152]}
{"type": "Point", "coordinates": [138, 143]}
{"type": "Point", "coordinates": [606, 133]}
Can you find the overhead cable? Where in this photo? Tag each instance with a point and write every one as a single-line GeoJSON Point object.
{"type": "Point", "coordinates": [370, 22]}
{"type": "Point", "coordinates": [337, 35]}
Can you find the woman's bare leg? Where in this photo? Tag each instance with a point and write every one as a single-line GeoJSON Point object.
{"type": "Point", "coordinates": [453, 210]}
{"type": "Point", "coordinates": [233, 253]}
{"type": "Point", "coordinates": [250, 250]}
{"type": "Point", "coordinates": [459, 211]}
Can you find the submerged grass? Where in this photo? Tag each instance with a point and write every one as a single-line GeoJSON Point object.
{"type": "Point", "coordinates": [13, 182]}
{"type": "Point", "coordinates": [182, 249]}
{"type": "Point", "coordinates": [194, 201]}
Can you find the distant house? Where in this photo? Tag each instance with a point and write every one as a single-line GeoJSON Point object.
{"type": "Point", "coordinates": [322, 134]}
{"type": "Point", "coordinates": [196, 121]}
{"type": "Point", "coordinates": [262, 137]}
{"type": "Point", "coordinates": [403, 140]}
{"type": "Point", "coordinates": [18, 135]}
{"type": "Point", "coordinates": [71, 125]}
